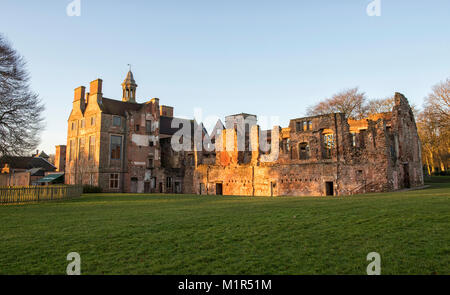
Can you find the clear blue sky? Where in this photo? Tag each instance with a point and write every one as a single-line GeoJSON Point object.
{"type": "Point", "coordinates": [269, 58]}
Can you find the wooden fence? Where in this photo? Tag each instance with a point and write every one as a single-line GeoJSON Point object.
{"type": "Point", "coordinates": [10, 195]}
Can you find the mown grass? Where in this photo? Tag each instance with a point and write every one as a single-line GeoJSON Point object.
{"type": "Point", "coordinates": [188, 234]}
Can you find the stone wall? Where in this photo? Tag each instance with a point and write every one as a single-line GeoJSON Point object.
{"type": "Point", "coordinates": [321, 155]}
{"type": "Point", "coordinates": [313, 156]}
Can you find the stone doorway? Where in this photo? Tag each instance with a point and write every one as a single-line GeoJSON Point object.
{"type": "Point", "coordinates": [134, 184]}
{"type": "Point", "coordinates": [177, 188]}
{"type": "Point", "coordinates": [329, 188]}
{"type": "Point", "coordinates": [219, 188]}
{"type": "Point", "coordinates": [147, 187]}
{"type": "Point", "coordinates": [406, 182]}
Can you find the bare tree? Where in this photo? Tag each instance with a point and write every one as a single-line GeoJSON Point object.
{"type": "Point", "coordinates": [438, 103]}
{"type": "Point", "coordinates": [351, 102]}
{"type": "Point", "coordinates": [435, 141]}
{"type": "Point", "coordinates": [434, 128]}
{"type": "Point", "coordinates": [20, 108]}
{"type": "Point", "coordinates": [376, 106]}
{"type": "Point", "coordinates": [51, 158]}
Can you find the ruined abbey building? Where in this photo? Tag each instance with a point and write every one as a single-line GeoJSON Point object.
{"type": "Point", "coordinates": [125, 146]}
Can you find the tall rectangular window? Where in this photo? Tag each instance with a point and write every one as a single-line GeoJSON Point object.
{"type": "Point", "coordinates": [93, 121]}
{"type": "Point", "coordinates": [83, 123]}
{"type": "Point", "coordinates": [169, 182]}
{"type": "Point", "coordinates": [117, 121]}
{"type": "Point", "coordinates": [353, 134]}
{"type": "Point", "coordinates": [74, 125]}
{"type": "Point", "coordinates": [114, 180]}
{"type": "Point", "coordinates": [71, 150]}
{"type": "Point", "coordinates": [298, 126]}
{"type": "Point", "coordinates": [116, 147]}
{"type": "Point", "coordinates": [148, 126]}
{"type": "Point", "coordinates": [81, 148]}
{"type": "Point", "coordinates": [91, 147]}
{"type": "Point", "coordinates": [328, 142]}
{"type": "Point", "coordinates": [150, 163]}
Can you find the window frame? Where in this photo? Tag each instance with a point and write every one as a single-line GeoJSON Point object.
{"type": "Point", "coordinates": [169, 181]}
{"type": "Point", "coordinates": [150, 163]}
{"type": "Point", "coordinates": [81, 147]}
{"type": "Point", "coordinates": [114, 180]}
{"type": "Point", "coordinates": [72, 147]}
{"type": "Point", "coordinates": [91, 151]}
{"type": "Point", "coordinates": [111, 147]}
{"type": "Point", "coordinates": [114, 122]}
{"type": "Point", "coordinates": [148, 126]}
{"type": "Point", "coordinates": [329, 143]}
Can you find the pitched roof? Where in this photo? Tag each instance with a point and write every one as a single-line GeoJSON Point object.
{"type": "Point", "coordinates": [37, 171]}
{"type": "Point", "coordinates": [129, 79]}
{"type": "Point", "coordinates": [245, 115]}
{"type": "Point", "coordinates": [117, 107]}
{"type": "Point", "coordinates": [50, 178]}
{"type": "Point", "coordinates": [26, 163]}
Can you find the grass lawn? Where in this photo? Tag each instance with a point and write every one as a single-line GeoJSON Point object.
{"type": "Point", "coordinates": [188, 234]}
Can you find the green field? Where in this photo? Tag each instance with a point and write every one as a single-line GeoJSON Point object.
{"type": "Point", "coordinates": [188, 234]}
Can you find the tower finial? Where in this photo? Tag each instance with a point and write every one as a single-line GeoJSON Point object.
{"type": "Point", "coordinates": [129, 65]}
{"type": "Point", "coordinates": [129, 87]}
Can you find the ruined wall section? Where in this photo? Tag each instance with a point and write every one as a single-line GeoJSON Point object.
{"type": "Point", "coordinates": [407, 165]}
{"type": "Point", "coordinates": [366, 160]}
{"type": "Point", "coordinates": [142, 148]}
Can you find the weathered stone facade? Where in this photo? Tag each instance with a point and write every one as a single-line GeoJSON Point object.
{"type": "Point", "coordinates": [60, 158]}
{"type": "Point", "coordinates": [124, 146]}
{"type": "Point", "coordinates": [319, 156]}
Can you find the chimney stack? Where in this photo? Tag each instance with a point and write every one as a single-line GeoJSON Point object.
{"type": "Point", "coordinates": [79, 99]}
{"type": "Point", "coordinates": [96, 87]}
